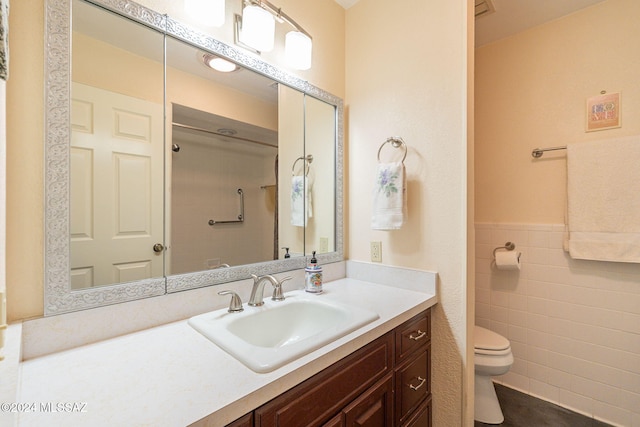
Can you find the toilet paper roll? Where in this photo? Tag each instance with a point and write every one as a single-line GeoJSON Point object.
{"type": "Point", "coordinates": [508, 260]}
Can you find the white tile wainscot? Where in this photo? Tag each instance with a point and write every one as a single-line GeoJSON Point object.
{"type": "Point", "coordinates": [170, 375]}
{"type": "Point", "coordinates": [574, 325]}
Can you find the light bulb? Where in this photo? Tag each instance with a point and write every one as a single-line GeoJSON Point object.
{"type": "Point", "coordinates": [298, 47]}
{"type": "Point", "coordinates": [258, 28]}
{"type": "Point", "coordinates": [221, 64]}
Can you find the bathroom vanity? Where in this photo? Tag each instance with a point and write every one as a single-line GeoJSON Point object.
{"type": "Point", "coordinates": [171, 375]}
{"type": "Point", "coordinates": [387, 382]}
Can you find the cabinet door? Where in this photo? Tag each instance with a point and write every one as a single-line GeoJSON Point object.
{"type": "Point", "coordinates": [374, 408]}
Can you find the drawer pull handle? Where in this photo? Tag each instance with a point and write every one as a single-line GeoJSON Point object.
{"type": "Point", "coordinates": [417, 337]}
{"type": "Point", "coordinates": [416, 387]}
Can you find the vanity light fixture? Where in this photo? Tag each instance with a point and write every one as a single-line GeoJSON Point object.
{"type": "Point", "coordinates": [206, 12]}
{"type": "Point", "coordinates": [256, 29]}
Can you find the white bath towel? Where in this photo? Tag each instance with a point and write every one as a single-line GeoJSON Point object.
{"type": "Point", "coordinates": [603, 203]}
{"type": "Point", "coordinates": [300, 201]}
{"type": "Point", "coordinates": [389, 197]}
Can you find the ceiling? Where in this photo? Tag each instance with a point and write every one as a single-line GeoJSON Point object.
{"type": "Point", "coordinates": [513, 16]}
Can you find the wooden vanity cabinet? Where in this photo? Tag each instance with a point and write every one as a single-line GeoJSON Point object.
{"type": "Point", "coordinates": [384, 384]}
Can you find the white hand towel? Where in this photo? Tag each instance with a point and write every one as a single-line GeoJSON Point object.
{"type": "Point", "coordinates": [300, 201]}
{"type": "Point", "coordinates": [603, 209]}
{"type": "Point", "coordinates": [389, 197]}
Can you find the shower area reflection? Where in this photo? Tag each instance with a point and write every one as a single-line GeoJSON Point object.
{"type": "Point", "coordinates": [223, 192]}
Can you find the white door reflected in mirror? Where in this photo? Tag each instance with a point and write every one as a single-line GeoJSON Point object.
{"type": "Point", "coordinates": [116, 188]}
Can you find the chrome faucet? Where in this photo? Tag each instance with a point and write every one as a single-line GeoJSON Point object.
{"type": "Point", "coordinates": [257, 292]}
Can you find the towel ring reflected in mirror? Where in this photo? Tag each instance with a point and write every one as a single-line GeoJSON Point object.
{"type": "Point", "coordinates": [396, 142]}
{"type": "Point", "coordinates": [307, 162]}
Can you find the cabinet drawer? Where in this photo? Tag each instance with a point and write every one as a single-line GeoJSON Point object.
{"type": "Point", "coordinates": [412, 335]}
{"type": "Point", "coordinates": [318, 399]}
{"type": "Point", "coordinates": [373, 408]}
{"type": "Point", "coordinates": [412, 384]}
{"type": "Point", "coordinates": [421, 417]}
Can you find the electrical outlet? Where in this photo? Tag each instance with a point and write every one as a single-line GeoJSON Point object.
{"type": "Point", "coordinates": [324, 245]}
{"type": "Point", "coordinates": [376, 251]}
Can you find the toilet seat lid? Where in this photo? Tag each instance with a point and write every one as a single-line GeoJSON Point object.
{"type": "Point", "coordinates": [484, 339]}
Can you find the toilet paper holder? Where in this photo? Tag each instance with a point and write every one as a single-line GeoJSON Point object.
{"type": "Point", "coordinates": [508, 246]}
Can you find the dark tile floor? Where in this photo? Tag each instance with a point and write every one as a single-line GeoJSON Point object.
{"type": "Point", "coordinates": [522, 410]}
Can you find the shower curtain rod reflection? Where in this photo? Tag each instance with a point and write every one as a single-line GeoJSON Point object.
{"type": "Point", "coordinates": [197, 129]}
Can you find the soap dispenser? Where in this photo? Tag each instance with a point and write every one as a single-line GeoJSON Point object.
{"type": "Point", "coordinates": [313, 276]}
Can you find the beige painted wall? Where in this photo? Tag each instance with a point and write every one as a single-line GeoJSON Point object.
{"type": "Point", "coordinates": [25, 161]}
{"type": "Point", "coordinates": [25, 138]}
{"type": "Point", "coordinates": [102, 65]}
{"type": "Point", "coordinates": [407, 76]}
{"type": "Point", "coordinates": [531, 91]}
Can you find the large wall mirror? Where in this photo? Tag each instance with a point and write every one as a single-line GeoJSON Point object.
{"type": "Point", "coordinates": [163, 174]}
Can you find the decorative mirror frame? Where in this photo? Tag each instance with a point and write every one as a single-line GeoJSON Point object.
{"type": "Point", "coordinates": [58, 296]}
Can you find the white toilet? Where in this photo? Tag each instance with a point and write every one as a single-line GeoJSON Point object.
{"type": "Point", "coordinates": [492, 357]}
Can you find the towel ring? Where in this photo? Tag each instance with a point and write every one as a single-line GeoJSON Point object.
{"type": "Point", "coordinates": [308, 159]}
{"type": "Point", "coordinates": [396, 142]}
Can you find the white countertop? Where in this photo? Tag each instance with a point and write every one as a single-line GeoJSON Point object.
{"type": "Point", "coordinates": [171, 375]}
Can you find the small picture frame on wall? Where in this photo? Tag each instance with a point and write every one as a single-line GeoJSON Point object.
{"type": "Point", "coordinates": [603, 112]}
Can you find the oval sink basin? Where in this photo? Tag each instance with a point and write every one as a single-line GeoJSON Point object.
{"type": "Point", "coordinates": [266, 338]}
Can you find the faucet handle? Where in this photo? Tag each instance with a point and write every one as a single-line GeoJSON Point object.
{"type": "Point", "coordinates": [235, 306]}
{"type": "Point", "coordinates": [278, 295]}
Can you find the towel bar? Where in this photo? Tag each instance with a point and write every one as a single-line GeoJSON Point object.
{"type": "Point", "coordinates": [538, 152]}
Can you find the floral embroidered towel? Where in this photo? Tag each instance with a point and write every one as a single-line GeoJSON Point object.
{"type": "Point", "coordinates": [389, 197]}
{"type": "Point", "coordinates": [4, 39]}
{"type": "Point", "coordinates": [300, 201]}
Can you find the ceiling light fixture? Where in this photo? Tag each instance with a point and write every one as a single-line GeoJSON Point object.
{"type": "Point", "coordinates": [256, 29]}
{"type": "Point", "coordinates": [206, 12]}
{"type": "Point", "coordinates": [218, 63]}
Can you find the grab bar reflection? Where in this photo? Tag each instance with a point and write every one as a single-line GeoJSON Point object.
{"type": "Point", "coordinates": [240, 216]}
